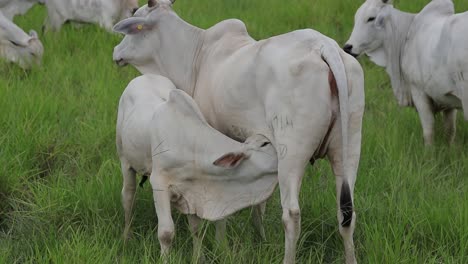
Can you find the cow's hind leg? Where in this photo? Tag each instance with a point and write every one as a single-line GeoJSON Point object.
{"type": "Point", "coordinates": [450, 125]}
{"type": "Point", "coordinates": [346, 175]}
{"type": "Point", "coordinates": [128, 195]}
{"type": "Point", "coordinates": [162, 203]}
{"type": "Point", "coordinates": [345, 197]}
{"type": "Point", "coordinates": [54, 20]}
{"type": "Point", "coordinates": [294, 152]}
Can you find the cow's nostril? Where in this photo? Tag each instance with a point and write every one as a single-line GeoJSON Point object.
{"type": "Point", "coordinates": [348, 48]}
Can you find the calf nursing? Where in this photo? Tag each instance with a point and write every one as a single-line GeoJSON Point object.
{"type": "Point", "coordinates": [193, 167]}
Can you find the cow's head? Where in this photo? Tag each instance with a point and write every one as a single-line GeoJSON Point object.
{"type": "Point", "coordinates": [19, 47]}
{"type": "Point", "coordinates": [141, 37]}
{"type": "Point", "coordinates": [369, 27]}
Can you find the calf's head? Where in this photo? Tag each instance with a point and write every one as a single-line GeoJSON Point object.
{"type": "Point", "coordinates": [19, 47]}
{"type": "Point", "coordinates": [254, 158]}
{"type": "Point", "coordinates": [369, 27]}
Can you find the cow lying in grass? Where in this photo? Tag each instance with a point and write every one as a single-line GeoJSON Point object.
{"type": "Point", "coordinates": [203, 173]}
{"type": "Point", "coordinates": [102, 12]}
{"type": "Point", "coordinates": [17, 46]}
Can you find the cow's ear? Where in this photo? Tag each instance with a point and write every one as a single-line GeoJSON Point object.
{"type": "Point", "coordinates": [133, 25]}
{"type": "Point", "coordinates": [382, 17]}
{"type": "Point", "coordinates": [230, 160]}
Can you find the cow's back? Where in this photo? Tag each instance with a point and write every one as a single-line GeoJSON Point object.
{"type": "Point", "coordinates": [235, 89]}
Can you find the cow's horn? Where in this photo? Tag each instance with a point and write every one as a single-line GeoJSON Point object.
{"type": "Point", "coordinates": [151, 3]}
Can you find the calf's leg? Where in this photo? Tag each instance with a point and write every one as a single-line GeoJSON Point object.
{"type": "Point", "coordinates": [128, 195]}
{"type": "Point", "coordinates": [194, 224]}
{"type": "Point", "coordinates": [258, 211]}
{"type": "Point", "coordinates": [162, 203]}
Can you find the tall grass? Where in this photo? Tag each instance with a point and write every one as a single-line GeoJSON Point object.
{"type": "Point", "coordinates": [60, 180]}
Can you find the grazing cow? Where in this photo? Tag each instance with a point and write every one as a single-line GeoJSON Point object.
{"type": "Point", "coordinates": [425, 55]}
{"type": "Point", "coordinates": [203, 173]}
{"type": "Point", "coordinates": [11, 8]}
{"type": "Point", "coordinates": [102, 12]}
{"type": "Point", "coordinates": [17, 46]}
{"type": "Point", "coordinates": [299, 89]}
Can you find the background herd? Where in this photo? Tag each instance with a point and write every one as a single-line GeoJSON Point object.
{"type": "Point", "coordinates": [59, 193]}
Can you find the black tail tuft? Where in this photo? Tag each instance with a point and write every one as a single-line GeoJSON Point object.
{"type": "Point", "coordinates": [346, 205]}
{"type": "Point", "coordinates": [143, 180]}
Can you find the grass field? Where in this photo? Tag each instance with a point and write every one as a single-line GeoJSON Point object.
{"type": "Point", "coordinates": [60, 178]}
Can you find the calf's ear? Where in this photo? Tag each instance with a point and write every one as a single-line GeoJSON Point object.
{"type": "Point", "coordinates": [230, 160]}
{"type": "Point", "coordinates": [133, 25]}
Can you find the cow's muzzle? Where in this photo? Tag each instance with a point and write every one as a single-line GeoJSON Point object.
{"type": "Point", "coordinates": [121, 62]}
{"type": "Point", "coordinates": [349, 49]}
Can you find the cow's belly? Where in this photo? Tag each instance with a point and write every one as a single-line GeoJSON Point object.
{"type": "Point", "coordinates": [443, 95]}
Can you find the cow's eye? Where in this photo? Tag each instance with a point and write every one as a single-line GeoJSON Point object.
{"type": "Point", "coordinates": [370, 19]}
{"type": "Point", "coordinates": [14, 43]}
{"type": "Point", "coordinates": [264, 144]}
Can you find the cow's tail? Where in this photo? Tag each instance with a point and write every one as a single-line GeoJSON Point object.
{"type": "Point", "coordinates": [330, 52]}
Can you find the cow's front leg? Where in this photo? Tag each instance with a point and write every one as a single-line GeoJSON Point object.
{"type": "Point", "coordinates": [450, 124]}
{"type": "Point", "coordinates": [162, 203]}
{"type": "Point", "coordinates": [426, 114]}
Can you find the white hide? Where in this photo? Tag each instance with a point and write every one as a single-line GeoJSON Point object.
{"type": "Point", "coordinates": [102, 12]}
{"type": "Point", "coordinates": [11, 8]}
{"type": "Point", "coordinates": [17, 46]}
{"type": "Point", "coordinates": [280, 87]}
{"type": "Point", "coordinates": [424, 54]}
{"type": "Point", "coordinates": [161, 131]}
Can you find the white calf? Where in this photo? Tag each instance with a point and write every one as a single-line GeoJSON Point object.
{"type": "Point", "coordinates": [203, 173]}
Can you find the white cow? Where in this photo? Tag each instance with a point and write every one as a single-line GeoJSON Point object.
{"type": "Point", "coordinates": [203, 173]}
{"type": "Point", "coordinates": [282, 87]}
{"type": "Point", "coordinates": [102, 12]}
{"type": "Point", "coordinates": [17, 46]}
{"type": "Point", "coordinates": [425, 54]}
{"type": "Point", "coordinates": [11, 8]}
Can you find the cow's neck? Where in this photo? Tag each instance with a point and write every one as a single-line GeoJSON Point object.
{"type": "Point", "coordinates": [396, 32]}
{"type": "Point", "coordinates": [180, 44]}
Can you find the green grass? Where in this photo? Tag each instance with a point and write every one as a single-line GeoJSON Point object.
{"type": "Point", "coordinates": [60, 180]}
